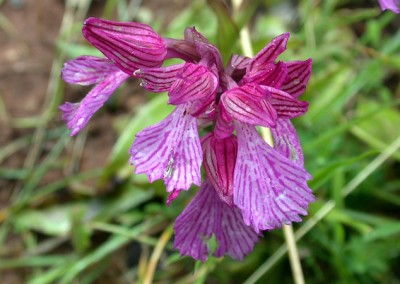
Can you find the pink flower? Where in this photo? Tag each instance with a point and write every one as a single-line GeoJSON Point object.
{"type": "Point", "coordinates": [249, 185]}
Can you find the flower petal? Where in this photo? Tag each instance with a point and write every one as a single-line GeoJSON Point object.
{"type": "Point", "coordinates": [285, 105]}
{"type": "Point", "coordinates": [204, 47]}
{"type": "Point", "coordinates": [193, 82]}
{"type": "Point", "coordinates": [177, 48]}
{"type": "Point", "coordinates": [158, 79]}
{"type": "Point", "coordinates": [392, 5]}
{"type": "Point", "coordinates": [286, 141]}
{"type": "Point", "coordinates": [129, 45]}
{"type": "Point", "coordinates": [223, 127]}
{"type": "Point", "coordinates": [270, 189]}
{"type": "Point", "coordinates": [170, 150]}
{"type": "Point", "coordinates": [78, 115]}
{"type": "Point", "coordinates": [219, 164]}
{"type": "Point", "coordinates": [207, 215]}
{"type": "Point", "coordinates": [271, 74]}
{"type": "Point", "coordinates": [87, 70]}
{"type": "Point", "coordinates": [269, 53]}
{"type": "Point", "coordinates": [236, 67]}
{"type": "Point", "coordinates": [248, 104]}
{"type": "Point", "coordinates": [299, 73]}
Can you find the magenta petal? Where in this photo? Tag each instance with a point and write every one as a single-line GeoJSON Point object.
{"type": "Point", "coordinates": [269, 53]}
{"type": "Point", "coordinates": [219, 164]}
{"type": "Point", "coordinates": [286, 106]}
{"type": "Point", "coordinates": [87, 70]}
{"type": "Point", "coordinates": [271, 74]}
{"type": "Point", "coordinates": [204, 47]}
{"type": "Point", "coordinates": [158, 79]}
{"type": "Point", "coordinates": [78, 115]}
{"type": "Point", "coordinates": [177, 48]}
{"type": "Point", "coordinates": [170, 150]}
{"type": "Point", "coordinates": [299, 73]}
{"type": "Point", "coordinates": [239, 104]}
{"type": "Point", "coordinates": [193, 82]}
{"type": "Point", "coordinates": [173, 195]}
{"type": "Point", "coordinates": [286, 141]}
{"type": "Point", "coordinates": [236, 67]}
{"type": "Point", "coordinates": [207, 215]}
{"type": "Point", "coordinates": [270, 189]}
{"type": "Point", "coordinates": [237, 62]}
{"type": "Point", "coordinates": [223, 127]}
{"type": "Point", "coordinates": [129, 45]}
{"type": "Point", "coordinates": [392, 5]}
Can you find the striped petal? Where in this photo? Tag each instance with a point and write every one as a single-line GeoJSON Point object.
{"type": "Point", "coordinates": [87, 70]}
{"type": "Point", "coordinates": [299, 73]}
{"type": "Point", "coordinates": [286, 141]}
{"type": "Point", "coordinates": [248, 104]}
{"type": "Point", "coordinates": [269, 53]}
{"type": "Point", "coordinates": [170, 150]}
{"type": "Point", "coordinates": [78, 115]}
{"type": "Point", "coordinates": [205, 216]}
{"type": "Point", "coordinates": [129, 45]}
{"type": "Point", "coordinates": [219, 164]}
{"type": "Point", "coordinates": [178, 48]}
{"type": "Point", "coordinates": [285, 105]}
{"type": "Point", "coordinates": [236, 67]}
{"type": "Point", "coordinates": [193, 82]}
{"type": "Point", "coordinates": [271, 74]}
{"type": "Point", "coordinates": [158, 79]}
{"type": "Point", "coordinates": [270, 189]}
{"type": "Point", "coordinates": [204, 47]}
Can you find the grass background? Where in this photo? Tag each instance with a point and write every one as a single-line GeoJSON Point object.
{"type": "Point", "coordinates": [103, 224]}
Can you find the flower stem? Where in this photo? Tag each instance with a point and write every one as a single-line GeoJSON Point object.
{"type": "Point", "coordinates": [293, 254]}
{"type": "Point", "coordinates": [159, 248]}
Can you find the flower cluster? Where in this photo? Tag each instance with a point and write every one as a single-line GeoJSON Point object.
{"type": "Point", "coordinates": [392, 5]}
{"type": "Point", "coordinates": [249, 186]}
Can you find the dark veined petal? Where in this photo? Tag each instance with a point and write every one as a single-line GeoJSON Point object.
{"type": "Point", "coordinates": [87, 70]}
{"type": "Point", "coordinates": [236, 67]}
{"type": "Point", "coordinates": [223, 127]}
{"type": "Point", "coordinates": [183, 49]}
{"type": "Point", "coordinates": [205, 216]}
{"type": "Point", "coordinates": [270, 189]}
{"type": "Point", "coordinates": [299, 73]}
{"type": "Point", "coordinates": [286, 141]}
{"type": "Point", "coordinates": [129, 45]}
{"type": "Point", "coordinates": [158, 79]}
{"type": "Point", "coordinates": [204, 47]}
{"type": "Point", "coordinates": [271, 74]}
{"type": "Point", "coordinates": [248, 105]}
{"type": "Point", "coordinates": [269, 53]}
{"type": "Point", "coordinates": [170, 150]}
{"type": "Point", "coordinates": [286, 106]}
{"type": "Point", "coordinates": [78, 115]}
{"type": "Point", "coordinates": [193, 82]}
{"type": "Point", "coordinates": [392, 5]}
{"type": "Point", "coordinates": [219, 164]}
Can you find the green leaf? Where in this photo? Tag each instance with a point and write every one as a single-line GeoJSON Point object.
{"type": "Point", "coordinates": [55, 221]}
{"type": "Point", "coordinates": [380, 130]}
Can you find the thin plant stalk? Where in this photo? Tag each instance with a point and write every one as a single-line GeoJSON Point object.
{"type": "Point", "coordinates": [162, 242]}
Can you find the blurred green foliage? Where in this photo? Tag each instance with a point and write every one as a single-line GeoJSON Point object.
{"type": "Point", "coordinates": [71, 232]}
